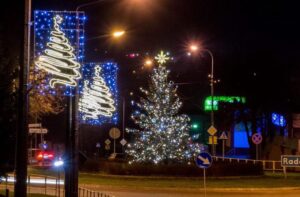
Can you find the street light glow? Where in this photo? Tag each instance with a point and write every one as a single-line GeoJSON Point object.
{"type": "Point", "coordinates": [194, 48]}
{"type": "Point", "coordinates": [148, 62]}
{"type": "Point", "coordinates": [118, 34]}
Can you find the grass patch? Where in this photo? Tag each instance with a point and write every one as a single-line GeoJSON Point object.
{"type": "Point", "coordinates": [266, 181]}
{"type": "Point", "coordinates": [269, 180]}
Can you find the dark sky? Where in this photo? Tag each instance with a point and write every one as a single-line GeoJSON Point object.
{"type": "Point", "coordinates": [255, 44]}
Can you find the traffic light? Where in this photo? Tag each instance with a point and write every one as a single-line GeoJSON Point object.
{"type": "Point", "coordinates": [195, 126]}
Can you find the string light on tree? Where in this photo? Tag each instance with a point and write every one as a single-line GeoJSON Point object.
{"type": "Point", "coordinates": [59, 59]}
{"type": "Point", "coordinates": [163, 134]}
{"type": "Point", "coordinates": [96, 99]}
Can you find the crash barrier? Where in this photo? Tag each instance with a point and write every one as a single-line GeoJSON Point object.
{"type": "Point", "coordinates": [268, 165]}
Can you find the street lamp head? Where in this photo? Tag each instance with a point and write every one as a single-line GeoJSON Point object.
{"type": "Point", "coordinates": [117, 34]}
{"type": "Point", "coordinates": [148, 62]}
{"type": "Point", "coordinates": [193, 48]}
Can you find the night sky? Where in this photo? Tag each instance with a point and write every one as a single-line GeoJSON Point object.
{"type": "Point", "coordinates": [255, 44]}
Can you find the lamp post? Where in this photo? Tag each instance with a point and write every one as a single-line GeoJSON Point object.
{"type": "Point", "coordinates": [212, 81]}
{"type": "Point", "coordinates": [71, 168]}
{"type": "Point", "coordinates": [194, 48]}
{"type": "Point", "coordinates": [22, 132]}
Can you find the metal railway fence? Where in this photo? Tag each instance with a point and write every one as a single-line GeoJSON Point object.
{"type": "Point", "coordinates": [47, 185]}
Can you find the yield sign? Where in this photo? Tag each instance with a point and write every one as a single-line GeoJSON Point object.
{"type": "Point", "coordinates": [223, 136]}
{"type": "Point", "coordinates": [212, 130]}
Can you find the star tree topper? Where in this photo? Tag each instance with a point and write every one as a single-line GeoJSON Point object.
{"type": "Point", "coordinates": [162, 57]}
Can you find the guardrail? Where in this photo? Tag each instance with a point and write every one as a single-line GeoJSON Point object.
{"type": "Point", "coordinates": [268, 165]}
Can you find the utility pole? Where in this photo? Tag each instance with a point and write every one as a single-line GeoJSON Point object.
{"type": "Point", "coordinates": [22, 129]}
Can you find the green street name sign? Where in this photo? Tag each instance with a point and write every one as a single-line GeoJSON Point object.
{"type": "Point", "coordinates": [290, 160]}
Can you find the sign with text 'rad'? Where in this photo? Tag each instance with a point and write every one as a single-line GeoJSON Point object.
{"type": "Point", "coordinates": [290, 160]}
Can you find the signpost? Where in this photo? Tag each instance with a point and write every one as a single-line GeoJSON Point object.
{"type": "Point", "coordinates": [114, 133]}
{"type": "Point", "coordinates": [38, 130]}
{"type": "Point", "coordinates": [257, 139]}
{"type": "Point", "coordinates": [98, 146]}
{"type": "Point", "coordinates": [204, 160]}
{"type": "Point", "coordinates": [107, 144]}
{"type": "Point", "coordinates": [223, 137]}
{"type": "Point", "coordinates": [35, 130]}
{"type": "Point", "coordinates": [212, 131]}
{"type": "Point", "coordinates": [35, 125]}
{"type": "Point", "coordinates": [289, 161]}
{"type": "Point", "coordinates": [123, 142]}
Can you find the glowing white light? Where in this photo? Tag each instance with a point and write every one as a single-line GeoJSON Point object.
{"type": "Point", "coordinates": [59, 59]}
{"type": "Point", "coordinates": [58, 163]}
{"type": "Point", "coordinates": [96, 100]}
{"type": "Point", "coordinates": [162, 58]}
{"type": "Point", "coordinates": [42, 181]}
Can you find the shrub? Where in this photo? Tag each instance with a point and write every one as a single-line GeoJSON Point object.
{"type": "Point", "coordinates": [219, 168]}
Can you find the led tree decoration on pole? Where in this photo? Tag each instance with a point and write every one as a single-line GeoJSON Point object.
{"type": "Point", "coordinates": [59, 59]}
{"type": "Point", "coordinates": [96, 99]}
{"type": "Point", "coordinates": [163, 135]}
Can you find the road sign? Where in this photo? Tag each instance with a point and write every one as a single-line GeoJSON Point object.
{"type": "Point", "coordinates": [204, 160]}
{"type": "Point", "coordinates": [123, 142]}
{"type": "Point", "coordinates": [290, 160]}
{"type": "Point", "coordinates": [98, 145]}
{"type": "Point", "coordinates": [114, 133]}
{"type": "Point", "coordinates": [223, 136]}
{"type": "Point", "coordinates": [107, 142]}
{"type": "Point", "coordinates": [212, 130]}
{"type": "Point", "coordinates": [210, 141]}
{"type": "Point", "coordinates": [257, 138]}
{"type": "Point", "coordinates": [38, 130]}
{"type": "Point", "coordinates": [107, 147]}
{"type": "Point", "coordinates": [35, 125]}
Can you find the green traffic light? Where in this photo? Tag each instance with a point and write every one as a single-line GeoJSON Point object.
{"type": "Point", "coordinates": [195, 126]}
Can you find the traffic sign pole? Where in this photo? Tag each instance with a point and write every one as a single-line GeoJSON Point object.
{"type": "Point", "coordinates": [213, 146]}
{"type": "Point", "coordinates": [223, 148]}
{"type": "Point", "coordinates": [204, 181]}
{"type": "Point", "coordinates": [114, 146]}
{"type": "Point", "coordinates": [204, 160]}
{"type": "Point", "coordinates": [256, 151]}
{"type": "Point", "coordinates": [257, 139]}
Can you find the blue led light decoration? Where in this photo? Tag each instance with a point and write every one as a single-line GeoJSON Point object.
{"type": "Point", "coordinates": [98, 102]}
{"type": "Point", "coordinates": [58, 48]}
{"type": "Point", "coordinates": [278, 120]}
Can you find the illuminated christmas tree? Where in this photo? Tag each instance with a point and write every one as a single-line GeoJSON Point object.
{"type": "Point", "coordinates": [164, 134]}
{"type": "Point", "coordinates": [59, 59]}
{"type": "Point", "coordinates": [96, 99]}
